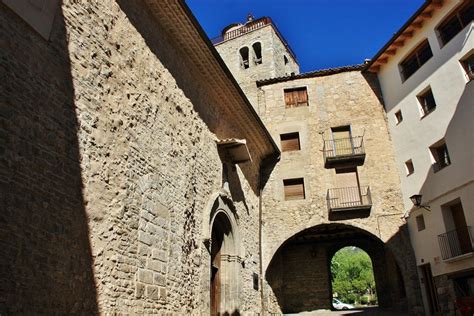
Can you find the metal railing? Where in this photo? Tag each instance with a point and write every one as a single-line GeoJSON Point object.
{"type": "Point", "coordinates": [344, 147]}
{"type": "Point", "coordinates": [249, 27]}
{"type": "Point", "coordinates": [456, 242]}
{"type": "Point", "coordinates": [350, 197]}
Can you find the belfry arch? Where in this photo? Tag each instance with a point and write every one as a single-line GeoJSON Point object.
{"type": "Point", "coordinates": [299, 273]}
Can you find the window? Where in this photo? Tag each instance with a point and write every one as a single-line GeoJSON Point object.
{"type": "Point", "coordinates": [296, 97]}
{"type": "Point", "coordinates": [420, 223]}
{"type": "Point", "coordinates": [285, 59]}
{"type": "Point", "coordinates": [244, 57]}
{"type": "Point", "coordinates": [440, 155]}
{"type": "Point", "coordinates": [468, 65]}
{"type": "Point", "coordinates": [415, 60]}
{"type": "Point", "coordinates": [450, 27]}
{"type": "Point", "coordinates": [257, 50]}
{"type": "Point", "coordinates": [427, 102]}
{"type": "Point", "coordinates": [290, 141]}
{"type": "Point", "coordinates": [398, 116]}
{"type": "Point", "coordinates": [409, 167]}
{"type": "Point", "coordinates": [294, 189]}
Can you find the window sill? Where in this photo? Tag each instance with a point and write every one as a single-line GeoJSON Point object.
{"type": "Point", "coordinates": [427, 113]}
{"type": "Point", "coordinates": [409, 174]}
{"type": "Point", "coordinates": [438, 169]}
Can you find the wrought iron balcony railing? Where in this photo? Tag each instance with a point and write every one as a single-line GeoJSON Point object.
{"type": "Point", "coordinates": [351, 198]}
{"type": "Point", "coordinates": [456, 242]}
{"type": "Point", "coordinates": [347, 151]}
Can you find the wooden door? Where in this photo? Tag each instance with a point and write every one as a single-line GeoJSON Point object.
{"type": "Point", "coordinates": [462, 233]}
{"type": "Point", "coordinates": [216, 284]}
{"type": "Point", "coordinates": [216, 248]}
{"type": "Point", "coordinates": [348, 189]}
{"type": "Point", "coordinates": [430, 289]}
{"type": "Point", "coordinates": [341, 137]}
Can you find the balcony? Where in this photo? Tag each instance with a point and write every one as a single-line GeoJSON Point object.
{"type": "Point", "coordinates": [456, 243]}
{"type": "Point", "coordinates": [346, 203]}
{"type": "Point", "coordinates": [344, 152]}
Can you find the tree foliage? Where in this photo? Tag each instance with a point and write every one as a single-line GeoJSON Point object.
{"type": "Point", "coordinates": [352, 274]}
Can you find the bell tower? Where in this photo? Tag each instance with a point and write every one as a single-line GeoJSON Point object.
{"type": "Point", "coordinates": [255, 50]}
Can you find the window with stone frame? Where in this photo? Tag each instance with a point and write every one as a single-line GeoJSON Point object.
{"type": "Point", "coordinates": [290, 142]}
{"type": "Point", "coordinates": [417, 58]}
{"type": "Point", "coordinates": [296, 97]}
{"type": "Point", "coordinates": [427, 102]}
{"type": "Point", "coordinates": [294, 189]}
{"type": "Point", "coordinates": [457, 21]}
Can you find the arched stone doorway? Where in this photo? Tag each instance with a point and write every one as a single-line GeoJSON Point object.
{"type": "Point", "coordinates": [224, 265]}
{"type": "Point", "coordinates": [299, 272]}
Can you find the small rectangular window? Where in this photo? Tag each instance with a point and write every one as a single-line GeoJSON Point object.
{"type": "Point", "coordinates": [420, 222]}
{"type": "Point", "coordinates": [453, 24]}
{"type": "Point", "coordinates": [415, 60]}
{"type": "Point", "coordinates": [255, 281]}
{"type": "Point", "coordinates": [296, 97]}
{"type": "Point", "coordinates": [468, 65]}
{"type": "Point", "coordinates": [290, 141]}
{"type": "Point", "coordinates": [440, 155]}
{"type": "Point", "coordinates": [409, 167]}
{"type": "Point", "coordinates": [427, 102]}
{"type": "Point", "coordinates": [294, 189]}
{"type": "Point", "coordinates": [398, 117]}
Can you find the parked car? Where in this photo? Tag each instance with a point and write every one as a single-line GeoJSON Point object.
{"type": "Point", "coordinates": [337, 304]}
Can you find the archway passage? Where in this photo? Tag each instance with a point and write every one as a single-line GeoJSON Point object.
{"type": "Point", "coordinates": [222, 280]}
{"type": "Point", "coordinates": [300, 277]}
{"type": "Point", "coordinates": [352, 278]}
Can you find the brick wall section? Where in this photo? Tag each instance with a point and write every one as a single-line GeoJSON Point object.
{"type": "Point", "coordinates": [110, 169]}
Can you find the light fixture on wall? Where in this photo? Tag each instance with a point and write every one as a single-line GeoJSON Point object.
{"type": "Point", "coordinates": [416, 199]}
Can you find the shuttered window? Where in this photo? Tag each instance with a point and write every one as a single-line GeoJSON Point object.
{"type": "Point", "coordinates": [294, 189]}
{"type": "Point", "coordinates": [296, 97]}
{"type": "Point", "coordinates": [290, 141]}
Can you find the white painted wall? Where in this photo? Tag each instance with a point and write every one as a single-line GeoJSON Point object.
{"type": "Point", "coordinates": [453, 120]}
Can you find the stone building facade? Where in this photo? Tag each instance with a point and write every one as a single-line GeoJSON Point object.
{"type": "Point", "coordinates": [306, 115]}
{"type": "Point", "coordinates": [123, 170]}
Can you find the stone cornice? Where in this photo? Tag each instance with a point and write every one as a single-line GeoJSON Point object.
{"type": "Point", "coordinates": [187, 34]}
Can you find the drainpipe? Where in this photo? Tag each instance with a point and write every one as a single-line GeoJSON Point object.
{"type": "Point", "coordinates": [270, 159]}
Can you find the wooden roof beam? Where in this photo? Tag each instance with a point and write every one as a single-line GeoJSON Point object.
{"type": "Point", "coordinates": [407, 34]}
{"type": "Point", "coordinates": [391, 51]}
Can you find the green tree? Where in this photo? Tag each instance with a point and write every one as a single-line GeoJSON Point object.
{"type": "Point", "coordinates": [352, 274]}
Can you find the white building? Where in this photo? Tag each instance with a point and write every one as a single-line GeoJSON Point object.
{"type": "Point", "coordinates": [426, 74]}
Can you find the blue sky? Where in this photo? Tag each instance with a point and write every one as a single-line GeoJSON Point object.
{"type": "Point", "coordinates": [322, 33]}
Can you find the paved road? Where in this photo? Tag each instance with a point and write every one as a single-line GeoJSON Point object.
{"type": "Point", "coordinates": [369, 311]}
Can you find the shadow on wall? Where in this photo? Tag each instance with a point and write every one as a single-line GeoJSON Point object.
{"type": "Point", "coordinates": [459, 137]}
{"type": "Point", "coordinates": [299, 273]}
{"type": "Point", "coordinates": [188, 78]}
{"type": "Point", "coordinates": [45, 254]}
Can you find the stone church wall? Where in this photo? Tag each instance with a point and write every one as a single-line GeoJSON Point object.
{"type": "Point", "coordinates": [109, 170]}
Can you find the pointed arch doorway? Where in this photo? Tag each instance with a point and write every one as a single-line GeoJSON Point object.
{"type": "Point", "coordinates": [223, 281]}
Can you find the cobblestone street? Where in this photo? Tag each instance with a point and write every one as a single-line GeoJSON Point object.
{"type": "Point", "coordinates": [368, 311]}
